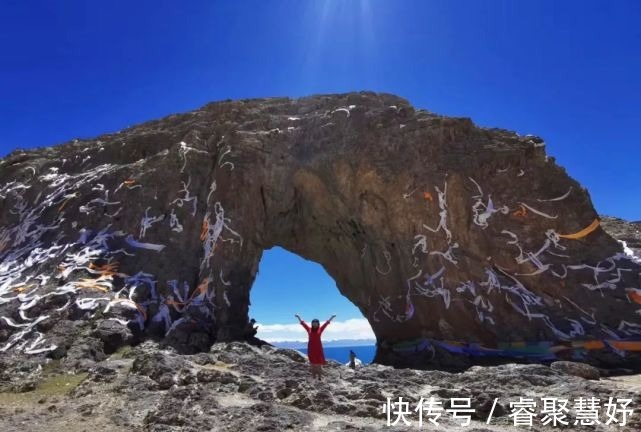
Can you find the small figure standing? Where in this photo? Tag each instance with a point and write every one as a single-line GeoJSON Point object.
{"type": "Point", "coordinates": [315, 352]}
{"type": "Point", "coordinates": [352, 359]}
{"type": "Point", "coordinates": [251, 329]}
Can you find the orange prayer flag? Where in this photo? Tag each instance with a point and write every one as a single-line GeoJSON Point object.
{"type": "Point", "coordinates": [584, 232]}
{"type": "Point", "coordinates": [634, 295]}
{"type": "Point", "coordinates": [594, 344]}
{"type": "Point", "coordinates": [203, 232]}
{"type": "Point", "coordinates": [521, 212]}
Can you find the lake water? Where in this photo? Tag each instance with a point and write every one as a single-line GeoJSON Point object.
{"type": "Point", "coordinates": [364, 353]}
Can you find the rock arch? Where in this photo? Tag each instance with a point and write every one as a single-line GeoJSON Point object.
{"type": "Point", "coordinates": [456, 242]}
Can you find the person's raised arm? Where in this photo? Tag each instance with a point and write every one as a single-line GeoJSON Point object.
{"type": "Point", "coordinates": [303, 323]}
{"type": "Point", "coordinates": [326, 323]}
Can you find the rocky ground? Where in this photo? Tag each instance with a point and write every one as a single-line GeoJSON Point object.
{"type": "Point", "coordinates": [236, 387]}
{"type": "Point", "coordinates": [624, 231]}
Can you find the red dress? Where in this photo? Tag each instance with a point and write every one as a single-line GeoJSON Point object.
{"type": "Point", "coordinates": [314, 346]}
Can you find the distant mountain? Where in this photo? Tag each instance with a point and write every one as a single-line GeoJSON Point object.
{"type": "Point", "coordinates": [628, 233]}
{"type": "Point", "coordinates": [329, 343]}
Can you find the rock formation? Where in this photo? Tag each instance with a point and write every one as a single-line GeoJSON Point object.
{"type": "Point", "coordinates": [459, 244]}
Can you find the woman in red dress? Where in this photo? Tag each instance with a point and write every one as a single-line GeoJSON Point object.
{"type": "Point", "coordinates": [314, 345]}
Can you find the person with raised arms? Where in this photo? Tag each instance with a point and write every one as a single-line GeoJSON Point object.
{"type": "Point", "coordinates": [315, 352]}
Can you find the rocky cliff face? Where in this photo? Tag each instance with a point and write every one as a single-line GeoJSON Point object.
{"type": "Point", "coordinates": [457, 243]}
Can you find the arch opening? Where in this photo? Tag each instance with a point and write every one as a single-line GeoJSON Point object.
{"type": "Point", "coordinates": [287, 284]}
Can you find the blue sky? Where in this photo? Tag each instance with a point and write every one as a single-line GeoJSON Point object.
{"type": "Point", "coordinates": [288, 284]}
{"type": "Point", "coordinates": [567, 71]}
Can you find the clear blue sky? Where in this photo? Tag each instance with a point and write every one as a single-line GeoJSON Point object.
{"type": "Point", "coordinates": [288, 284]}
{"type": "Point", "coordinates": [569, 71]}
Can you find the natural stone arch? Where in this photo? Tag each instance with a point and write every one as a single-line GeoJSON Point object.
{"type": "Point", "coordinates": [384, 197]}
{"type": "Point", "coordinates": [437, 230]}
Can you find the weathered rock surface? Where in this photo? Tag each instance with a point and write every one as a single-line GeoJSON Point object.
{"type": "Point", "coordinates": [462, 243]}
{"type": "Point", "coordinates": [578, 369]}
{"type": "Point", "coordinates": [236, 387]}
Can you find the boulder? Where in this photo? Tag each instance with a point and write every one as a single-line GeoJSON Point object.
{"type": "Point", "coordinates": [577, 369]}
